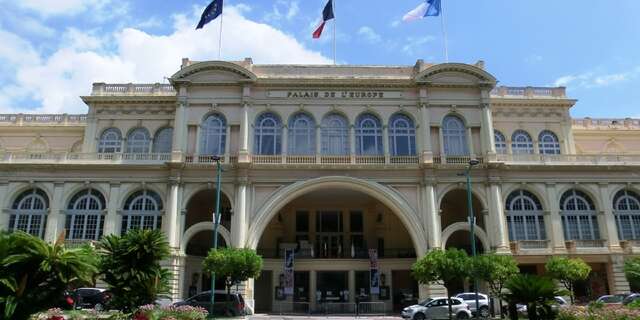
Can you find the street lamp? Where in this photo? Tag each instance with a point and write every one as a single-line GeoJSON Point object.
{"type": "Point", "coordinates": [472, 222]}
{"type": "Point", "coordinates": [216, 222]}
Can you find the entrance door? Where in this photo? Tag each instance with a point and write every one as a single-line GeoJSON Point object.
{"type": "Point", "coordinates": [264, 292]}
{"type": "Point", "coordinates": [333, 286]}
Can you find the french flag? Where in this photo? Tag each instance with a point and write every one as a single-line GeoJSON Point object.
{"type": "Point", "coordinates": [429, 8]}
{"type": "Point", "coordinates": [327, 14]}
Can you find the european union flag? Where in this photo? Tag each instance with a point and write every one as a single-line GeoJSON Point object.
{"type": "Point", "coordinates": [211, 12]}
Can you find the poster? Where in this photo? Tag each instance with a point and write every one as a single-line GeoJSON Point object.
{"type": "Point", "coordinates": [373, 271]}
{"type": "Point", "coordinates": [288, 271]}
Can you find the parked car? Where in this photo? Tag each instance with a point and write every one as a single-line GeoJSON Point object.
{"type": "Point", "coordinates": [163, 300]}
{"type": "Point", "coordinates": [437, 308]}
{"type": "Point", "coordinates": [559, 303]}
{"type": "Point", "coordinates": [470, 299]}
{"type": "Point", "coordinates": [612, 298]}
{"type": "Point", "coordinates": [631, 298]}
{"type": "Point", "coordinates": [91, 298]}
{"type": "Point", "coordinates": [235, 306]}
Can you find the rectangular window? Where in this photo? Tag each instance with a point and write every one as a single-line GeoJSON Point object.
{"type": "Point", "coordinates": [302, 221]}
{"type": "Point", "coordinates": [356, 221]}
{"type": "Point", "coordinates": [380, 247]}
{"type": "Point", "coordinates": [329, 221]}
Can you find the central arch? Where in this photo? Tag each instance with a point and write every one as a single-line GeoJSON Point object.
{"type": "Point", "coordinates": [387, 196]}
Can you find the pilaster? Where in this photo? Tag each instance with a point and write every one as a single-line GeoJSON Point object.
{"type": "Point", "coordinates": [171, 223]}
{"type": "Point", "coordinates": [487, 129]}
{"type": "Point", "coordinates": [554, 222]}
{"type": "Point", "coordinates": [433, 223]}
{"type": "Point", "coordinates": [55, 219]}
{"type": "Point", "coordinates": [90, 132]}
{"type": "Point", "coordinates": [4, 198]}
{"type": "Point", "coordinates": [239, 225]}
{"type": "Point", "coordinates": [112, 218]}
{"type": "Point", "coordinates": [180, 126]}
{"type": "Point", "coordinates": [243, 153]}
{"type": "Point", "coordinates": [607, 220]}
{"type": "Point", "coordinates": [497, 218]}
{"type": "Point", "coordinates": [425, 129]}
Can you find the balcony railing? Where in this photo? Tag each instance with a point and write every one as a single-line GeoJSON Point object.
{"type": "Point", "coordinates": [131, 89]}
{"type": "Point", "coordinates": [568, 159]}
{"type": "Point", "coordinates": [529, 92]}
{"type": "Point", "coordinates": [455, 160]}
{"type": "Point", "coordinates": [335, 160]}
{"type": "Point", "coordinates": [43, 119]}
{"type": "Point", "coordinates": [64, 157]}
{"type": "Point", "coordinates": [387, 253]}
{"type": "Point", "coordinates": [574, 244]}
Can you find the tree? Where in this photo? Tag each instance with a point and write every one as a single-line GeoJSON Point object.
{"type": "Point", "coordinates": [233, 264]}
{"type": "Point", "coordinates": [632, 272]}
{"type": "Point", "coordinates": [446, 267]}
{"type": "Point", "coordinates": [496, 270]}
{"type": "Point", "coordinates": [536, 292]}
{"type": "Point", "coordinates": [130, 265]}
{"type": "Point", "coordinates": [568, 271]}
{"type": "Point", "coordinates": [34, 274]}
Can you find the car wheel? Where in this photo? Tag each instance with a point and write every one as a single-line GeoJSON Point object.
{"type": "Point", "coordinates": [484, 312]}
{"type": "Point", "coordinates": [98, 307]}
{"type": "Point", "coordinates": [418, 316]}
{"type": "Point", "coordinates": [462, 315]}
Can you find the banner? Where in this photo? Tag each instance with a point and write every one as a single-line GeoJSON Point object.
{"type": "Point", "coordinates": [288, 271]}
{"type": "Point", "coordinates": [373, 272]}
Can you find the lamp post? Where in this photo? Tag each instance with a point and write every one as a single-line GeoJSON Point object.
{"type": "Point", "coordinates": [216, 222]}
{"type": "Point", "coordinates": [472, 222]}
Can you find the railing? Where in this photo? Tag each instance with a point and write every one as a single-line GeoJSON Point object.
{"type": "Point", "coordinates": [207, 159]}
{"type": "Point", "coordinates": [334, 160]}
{"type": "Point", "coordinates": [339, 307]}
{"type": "Point", "coordinates": [529, 92]}
{"type": "Point", "coordinates": [47, 119]}
{"type": "Point", "coordinates": [603, 123]}
{"type": "Point", "coordinates": [372, 308]}
{"type": "Point", "coordinates": [103, 89]}
{"type": "Point", "coordinates": [589, 243]}
{"type": "Point", "coordinates": [293, 308]}
{"type": "Point", "coordinates": [572, 159]}
{"type": "Point", "coordinates": [64, 157]}
{"type": "Point", "coordinates": [533, 244]}
{"type": "Point", "coordinates": [455, 160]}
{"type": "Point", "coordinates": [362, 254]}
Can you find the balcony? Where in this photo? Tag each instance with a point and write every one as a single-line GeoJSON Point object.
{"type": "Point", "coordinates": [335, 160]}
{"type": "Point", "coordinates": [130, 89]}
{"type": "Point", "coordinates": [529, 92]}
{"type": "Point", "coordinates": [21, 119]}
{"type": "Point", "coordinates": [579, 246]}
{"type": "Point", "coordinates": [88, 158]}
{"type": "Point", "coordinates": [363, 254]}
{"type": "Point", "coordinates": [567, 159]}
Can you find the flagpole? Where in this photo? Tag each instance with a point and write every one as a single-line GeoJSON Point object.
{"type": "Point", "coordinates": [444, 34]}
{"type": "Point", "coordinates": [220, 37]}
{"type": "Point", "coordinates": [333, 4]}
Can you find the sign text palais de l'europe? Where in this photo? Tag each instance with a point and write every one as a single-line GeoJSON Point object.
{"type": "Point", "coordinates": [347, 94]}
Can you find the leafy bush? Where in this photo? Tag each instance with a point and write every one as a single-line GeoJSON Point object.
{"type": "Point", "coordinates": [568, 271]}
{"type": "Point", "coordinates": [536, 292]}
{"type": "Point", "coordinates": [152, 312]}
{"type": "Point", "coordinates": [34, 274]}
{"type": "Point", "coordinates": [609, 312]}
{"type": "Point", "coordinates": [233, 264]}
{"type": "Point", "coordinates": [130, 265]}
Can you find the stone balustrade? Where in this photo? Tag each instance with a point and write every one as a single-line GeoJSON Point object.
{"type": "Point", "coordinates": [25, 119]}
{"type": "Point", "coordinates": [567, 159]}
{"type": "Point", "coordinates": [529, 92]}
{"type": "Point", "coordinates": [132, 89]}
{"type": "Point", "coordinates": [606, 124]}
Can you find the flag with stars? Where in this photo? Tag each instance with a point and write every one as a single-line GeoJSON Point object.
{"type": "Point", "coordinates": [211, 12]}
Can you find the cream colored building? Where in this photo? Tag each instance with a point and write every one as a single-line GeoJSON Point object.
{"type": "Point", "coordinates": [331, 161]}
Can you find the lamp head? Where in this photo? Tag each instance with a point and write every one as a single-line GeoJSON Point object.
{"type": "Point", "coordinates": [474, 162]}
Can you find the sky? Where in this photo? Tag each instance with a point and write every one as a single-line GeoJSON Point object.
{"type": "Point", "coordinates": [51, 51]}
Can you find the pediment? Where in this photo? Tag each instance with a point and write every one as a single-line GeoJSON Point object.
{"type": "Point", "coordinates": [214, 72]}
{"type": "Point", "coordinates": [456, 74]}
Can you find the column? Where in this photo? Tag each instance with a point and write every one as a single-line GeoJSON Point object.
{"type": "Point", "coordinates": [487, 129]}
{"type": "Point", "coordinates": [4, 217]}
{"type": "Point", "coordinates": [606, 219]}
{"type": "Point", "coordinates": [90, 132]}
{"type": "Point", "coordinates": [497, 219]}
{"type": "Point", "coordinates": [180, 129]}
{"type": "Point", "coordinates": [285, 142]}
{"type": "Point", "coordinates": [536, 145]}
{"type": "Point", "coordinates": [352, 142]}
{"type": "Point", "coordinates": [443, 156]}
{"type": "Point", "coordinates": [472, 152]}
{"type": "Point", "coordinates": [55, 219]}
{"type": "Point", "coordinates": [352, 286]}
{"type": "Point", "coordinates": [567, 132]}
{"type": "Point", "coordinates": [554, 224]}
{"type": "Point", "coordinates": [434, 229]}
{"type": "Point", "coordinates": [239, 218]}
{"type": "Point", "coordinates": [171, 223]}
{"type": "Point", "coordinates": [112, 218]}
{"type": "Point", "coordinates": [313, 284]}
{"type": "Point", "coordinates": [385, 143]}
{"type": "Point", "coordinates": [243, 155]}
{"type": "Point", "coordinates": [198, 139]}
{"type": "Point", "coordinates": [318, 143]}
{"type": "Point", "coordinates": [425, 126]}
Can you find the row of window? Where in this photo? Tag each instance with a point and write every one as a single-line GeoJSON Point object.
{"type": "Point", "coordinates": [334, 137]}
{"type": "Point", "coordinates": [525, 217]}
{"type": "Point", "coordinates": [521, 142]}
{"type": "Point", "coordinates": [85, 213]}
{"type": "Point", "coordinates": [138, 141]}
{"type": "Point", "coordinates": [143, 209]}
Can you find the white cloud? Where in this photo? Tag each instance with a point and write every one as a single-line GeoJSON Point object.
{"type": "Point", "coordinates": [57, 81]}
{"type": "Point", "coordinates": [595, 80]}
{"type": "Point", "coordinates": [283, 10]}
{"type": "Point", "coordinates": [369, 34]}
{"type": "Point", "coordinates": [413, 43]}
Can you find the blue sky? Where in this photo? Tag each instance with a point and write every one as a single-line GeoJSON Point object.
{"type": "Point", "coordinates": [53, 50]}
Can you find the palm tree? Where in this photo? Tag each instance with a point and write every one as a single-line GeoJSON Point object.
{"type": "Point", "coordinates": [34, 273]}
{"type": "Point", "coordinates": [536, 292]}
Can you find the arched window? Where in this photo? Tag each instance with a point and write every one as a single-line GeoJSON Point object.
{"type": "Point", "coordinates": [548, 143]}
{"type": "Point", "coordinates": [500, 141]}
{"type": "Point", "coordinates": [335, 135]}
{"type": "Point", "coordinates": [368, 135]}
{"type": "Point", "coordinates": [29, 212]}
{"type": "Point", "coordinates": [454, 137]}
{"type": "Point", "coordinates": [214, 135]}
{"type": "Point", "coordinates": [85, 215]}
{"type": "Point", "coordinates": [578, 214]}
{"type": "Point", "coordinates": [524, 216]}
{"type": "Point", "coordinates": [268, 133]}
{"type": "Point", "coordinates": [626, 208]}
{"type": "Point", "coordinates": [138, 141]}
{"type": "Point", "coordinates": [302, 134]}
{"type": "Point", "coordinates": [521, 142]}
{"type": "Point", "coordinates": [110, 141]}
{"type": "Point", "coordinates": [163, 141]}
{"type": "Point", "coordinates": [402, 136]}
{"type": "Point", "coordinates": [142, 210]}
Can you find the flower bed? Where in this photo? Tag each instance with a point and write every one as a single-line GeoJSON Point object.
{"type": "Point", "coordinates": [152, 312]}
{"type": "Point", "coordinates": [609, 312]}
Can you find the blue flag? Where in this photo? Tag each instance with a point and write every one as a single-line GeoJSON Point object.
{"type": "Point", "coordinates": [211, 12]}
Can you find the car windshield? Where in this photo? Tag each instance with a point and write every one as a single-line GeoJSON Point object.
{"type": "Point", "coordinates": [424, 303]}
{"type": "Point", "coordinates": [612, 299]}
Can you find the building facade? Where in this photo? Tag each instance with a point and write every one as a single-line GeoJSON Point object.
{"type": "Point", "coordinates": [331, 161]}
